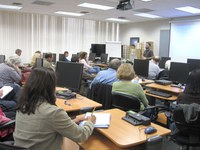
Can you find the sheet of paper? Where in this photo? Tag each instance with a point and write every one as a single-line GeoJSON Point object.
{"type": "Point", "coordinates": [6, 90]}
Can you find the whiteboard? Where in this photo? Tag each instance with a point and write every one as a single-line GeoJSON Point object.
{"type": "Point", "coordinates": [113, 48]}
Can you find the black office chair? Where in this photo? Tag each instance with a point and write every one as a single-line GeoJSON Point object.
{"type": "Point", "coordinates": [127, 102]}
{"type": "Point", "coordinates": [187, 131]}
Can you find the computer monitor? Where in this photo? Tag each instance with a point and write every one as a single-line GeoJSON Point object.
{"type": "Point", "coordinates": [69, 75]}
{"type": "Point", "coordinates": [179, 72]}
{"type": "Point", "coordinates": [39, 62]}
{"type": "Point", "coordinates": [61, 57]}
{"type": "Point", "coordinates": [54, 57]}
{"type": "Point", "coordinates": [194, 63]}
{"type": "Point", "coordinates": [74, 58]}
{"type": "Point", "coordinates": [104, 58]}
{"type": "Point", "coordinates": [141, 67]}
{"type": "Point", "coordinates": [92, 56]}
{"type": "Point", "coordinates": [163, 61]}
{"type": "Point", "coordinates": [98, 49]}
{"type": "Point", "coordinates": [111, 58]}
{"type": "Point", "coordinates": [2, 58]}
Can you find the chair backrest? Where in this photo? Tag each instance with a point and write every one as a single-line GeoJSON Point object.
{"type": "Point", "coordinates": [192, 128]}
{"type": "Point", "coordinates": [101, 93]}
{"type": "Point", "coordinates": [125, 102]}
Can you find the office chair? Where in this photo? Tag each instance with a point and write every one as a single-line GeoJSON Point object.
{"type": "Point", "coordinates": [187, 132]}
{"type": "Point", "coordinates": [7, 146]}
{"type": "Point", "coordinates": [6, 130]}
{"type": "Point", "coordinates": [127, 102]}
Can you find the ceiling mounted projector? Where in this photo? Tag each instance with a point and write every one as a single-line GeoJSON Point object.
{"type": "Point", "coordinates": [124, 5]}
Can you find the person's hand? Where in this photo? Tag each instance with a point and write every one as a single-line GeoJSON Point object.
{"type": "Point", "coordinates": [78, 119]}
{"type": "Point", "coordinates": [1, 93]}
{"type": "Point", "coordinates": [91, 118]}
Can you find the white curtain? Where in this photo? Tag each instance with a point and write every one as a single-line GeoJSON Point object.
{"type": "Point", "coordinates": [32, 32]}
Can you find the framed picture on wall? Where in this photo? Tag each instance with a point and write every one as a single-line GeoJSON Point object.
{"type": "Point", "coordinates": [134, 41]}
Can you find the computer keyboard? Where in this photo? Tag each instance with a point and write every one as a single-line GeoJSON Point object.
{"type": "Point", "coordinates": [159, 93]}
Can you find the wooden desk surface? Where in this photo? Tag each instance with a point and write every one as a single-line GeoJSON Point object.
{"type": "Point", "coordinates": [75, 104]}
{"type": "Point", "coordinates": [101, 65]}
{"type": "Point", "coordinates": [165, 88]}
{"type": "Point", "coordinates": [122, 133]}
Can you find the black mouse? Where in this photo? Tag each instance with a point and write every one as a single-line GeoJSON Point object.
{"type": "Point", "coordinates": [150, 130]}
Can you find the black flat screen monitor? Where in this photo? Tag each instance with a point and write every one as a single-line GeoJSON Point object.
{"type": "Point", "coordinates": [92, 56]}
{"type": "Point", "coordinates": [163, 61]}
{"type": "Point", "coordinates": [111, 58]}
{"type": "Point", "coordinates": [61, 57]}
{"type": "Point", "coordinates": [39, 62]}
{"type": "Point", "coordinates": [179, 72]}
{"type": "Point", "coordinates": [54, 57]}
{"type": "Point", "coordinates": [194, 63]}
{"type": "Point", "coordinates": [98, 49]}
{"type": "Point", "coordinates": [141, 67]}
{"type": "Point", "coordinates": [134, 41]}
{"type": "Point", "coordinates": [69, 75]}
{"type": "Point", "coordinates": [2, 58]}
{"type": "Point", "coordinates": [74, 58]}
{"type": "Point", "coordinates": [104, 58]}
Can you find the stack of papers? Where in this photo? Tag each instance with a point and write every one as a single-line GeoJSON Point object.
{"type": "Point", "coordinates": [6, 91]}
{"type": "Point", "coordinates": [102, 119]}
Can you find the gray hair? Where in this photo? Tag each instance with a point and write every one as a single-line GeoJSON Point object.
{"type": "Point", "coordinates": [114, 64]}
{"type": "Point", "coordinates": [13, 60]}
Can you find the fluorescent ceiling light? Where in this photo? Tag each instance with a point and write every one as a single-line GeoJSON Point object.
{"type": "Point", "coordinates": [146, 0]}
{"type": "Point", "coordinates": [68, 13]}
{"type": "Point", "coordinates": [189, 9]}
{"type": "Point", "coordinates": [95, 6]}
{"type": "Point", "coordinates": [118, 20]}
{"type": "Point", "coordinates": [10, 7]}
{"type": "Point", "coordinates": [147, 15]}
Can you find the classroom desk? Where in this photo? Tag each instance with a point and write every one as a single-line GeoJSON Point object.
{"type": "Point", "coordinates": [120, 133]}
{"type": "Point", "coordinates": [101, 65]}
{"type": "Point", "coordinates": [75, 104]}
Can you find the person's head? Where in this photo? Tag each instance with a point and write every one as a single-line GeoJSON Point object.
{"type": "Point", "coordinates": [66, 53]}
{"type": "Point", "coordinates": [39, 88]}
{"type": "Point", "coordinates": [125, 72]}
{"type": "Point", "coordinates": [114, 64]}
{"type": "Point", "coordinates": [193, 83]}
{"type": "Point", "coordinates": [49, 57]}
{"type": "Point", "coordinates": [156, 59]}
{"type": "Point", "coordinates": [13, 61]}
{"type": "Point", "coordinates": [147, 46]}
{"type": "Point", "coordinates": [18, 52]}
{"type": "Point", "coordinates": [83, 55]}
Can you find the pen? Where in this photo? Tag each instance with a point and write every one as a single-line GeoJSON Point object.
{"type": "Point", "coordinates": [93, 111]}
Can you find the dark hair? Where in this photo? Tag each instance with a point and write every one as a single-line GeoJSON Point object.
{"type": "Point", "coordinates": [82, 55]}
{"type": "Point", "coordinates": [66, 52]}
{"type": "Point", "coordinates": [39, 88]}
{"type": "Point", "coordinates": [48, 55]}
{"type": "Point", "coordinates": [193, 83]}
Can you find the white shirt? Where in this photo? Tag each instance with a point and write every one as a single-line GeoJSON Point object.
{"type": "Point", "coordinates": [154, 70]}
{"type": "Point", "coordinates": [86, 65]}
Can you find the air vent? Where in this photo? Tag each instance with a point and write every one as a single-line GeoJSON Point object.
{"type": "Point", "coordinates": [17, 4]}
{"type": "Point", "coordinates": [42, 3]}
{"type": "Point", "coordinates": [143, 10]}
{"type": "Point", "coordinates": [84, 12]}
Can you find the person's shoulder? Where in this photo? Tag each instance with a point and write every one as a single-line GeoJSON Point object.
{"type": "Point", "coordinates": [48, 109]}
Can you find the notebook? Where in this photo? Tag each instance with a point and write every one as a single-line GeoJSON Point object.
{"type": "Point", "coordinates": [6, 91]}
{"type": "Point", "coordinates": [102, 119]}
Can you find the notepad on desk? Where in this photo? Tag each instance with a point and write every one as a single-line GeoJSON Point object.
{"type": "Point", "coordinates": [102, 119]}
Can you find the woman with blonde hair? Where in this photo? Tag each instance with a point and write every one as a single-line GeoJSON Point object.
{"type": "Point", "coordinates": [125, 74]}
{"type": "Point", "coordinates": [36, 55]}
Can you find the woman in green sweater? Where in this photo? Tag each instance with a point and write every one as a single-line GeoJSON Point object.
{"type": "Point", "coordinates": [125, 74]}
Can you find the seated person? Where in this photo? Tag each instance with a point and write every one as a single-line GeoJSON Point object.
{"type": "Point", "coordinates": [191, 93]}
{"type": "Point", "coordinates": [108, 76]}
{"type": "Point", "coordinates": [47, 62]}
{"type": "Point", "coordinates": [125, 74]}
{"type": "Point", "coordinates": [148, 53]}
{"type": "Point", "coordinates": [164, 74]}
{"type": "Point", "coordinates": [154, 69]}
{"type": "Point", "coordinates": [36, 55]}
{"type": "Point", "coordinates": [40, 124]}
{"type": "Point", "coordinates": [66, 54]}
{"type": "Point", "coordinates": [90, 69]}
